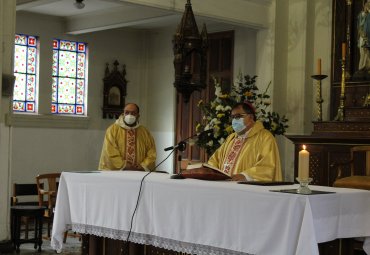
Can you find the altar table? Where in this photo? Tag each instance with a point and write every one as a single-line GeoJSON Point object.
{"type": "Point", "coordinates": [207, 217]}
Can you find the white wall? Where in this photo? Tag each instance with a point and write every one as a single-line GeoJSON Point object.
{"type": "Point", "coordinates": [160, 93]}
{"type": "Point", "coordinates": [302, 34]}
{"type": "Point", "coordinates": [7, 27]}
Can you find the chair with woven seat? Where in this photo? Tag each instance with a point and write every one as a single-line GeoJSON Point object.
{"type": "Point", "coordinates": [23, 212]}
{"type": "Point", "coordinates": [359, 178]}
{"type": "Point", "coordinates": [47, 185]}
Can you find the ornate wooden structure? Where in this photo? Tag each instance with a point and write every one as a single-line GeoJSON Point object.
{"type": "Point", "coordinates": [190, 50]}
{"type": "Point", "coordinates": [115, 84]}
{"type": "Point", "coordinates": [347, 28]}
{"type": "Point", "coordinates": [220, 65]}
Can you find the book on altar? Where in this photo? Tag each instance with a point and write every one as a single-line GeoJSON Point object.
{"type": "Point", "coordinates": [215, 168]}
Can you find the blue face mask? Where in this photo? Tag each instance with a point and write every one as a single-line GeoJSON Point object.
{"type": "Point", "coordinates": [238, 125]}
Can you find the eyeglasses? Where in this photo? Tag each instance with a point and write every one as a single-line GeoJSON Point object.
{"type": "Point", "coordinates": [238, 116]}
{"type": "Point", "coordinates": [130, 113]}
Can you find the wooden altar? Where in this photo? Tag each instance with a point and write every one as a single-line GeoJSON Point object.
{"type": "Point", "coordinates": [94, 245]}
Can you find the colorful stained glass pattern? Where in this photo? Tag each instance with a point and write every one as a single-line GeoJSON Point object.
{"type": "Point", "coordinates": [18, 106]}
{"type": "Point", "coordinates": [54, 87]}
{"type": "Point", "coordinates": [31, 60]}
{"type": "Point", "coordinates": [20, 58]}
{"type": "Point", "coordinates": [67, 91]}
{"type": "Point", "coordinates": [81, 65]}
{"type": "Point", "coordinates": [25, 72]}
{"type": "Point", "coordinates": [80, 91]}
{"type": "Point", "coordinates": [68, 45]}
{"type": "Point", "coordinates": [19, 93]}
{"type": "Point", "coordinates": [55, 62]}
{"type": "Point", "coordinates": [69, 77]}
{"type": "Point", "coordinates": [21, 39]}
{"type": "Point", "coordinates": [30, 89]}
{"type": "Point", "coordinates": [67, 64]}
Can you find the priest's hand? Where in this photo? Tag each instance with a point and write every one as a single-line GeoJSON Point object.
{"type": "Point", "coordinates": [238, 177]}
{"type": "Point", "coordinates": [136, 167]}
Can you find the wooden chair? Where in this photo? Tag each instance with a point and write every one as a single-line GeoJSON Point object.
{"type": "Point", "coordinates": [23, 212]}
{"type": "Point", "coordinates": [359, 178]}
{"type": "Point", "coordinates": [25, 194]}
{"type": "Point", "coordinates": [47, 186]}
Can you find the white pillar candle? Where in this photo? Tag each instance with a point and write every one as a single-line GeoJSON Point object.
{"type": "Point", "coordinates": [303, 164]}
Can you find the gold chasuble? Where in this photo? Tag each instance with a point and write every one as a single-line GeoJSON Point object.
{"type": "Point", "coordinates": [256, 155]}
{"type": "Point", "coordinates": [123, 145]}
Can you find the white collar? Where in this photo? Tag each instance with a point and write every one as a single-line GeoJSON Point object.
{"type": "Point", "coordinates": [245, 135]}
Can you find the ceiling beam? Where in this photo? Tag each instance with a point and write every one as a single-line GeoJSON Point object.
{"type": "Point", "coordinates": [118, 17]}
{"type": "Point", "coordinates": [250, 13]}
{"type": "Point", "coordinates": [26, 4]}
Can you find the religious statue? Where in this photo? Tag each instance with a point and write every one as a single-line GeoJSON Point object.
{"type": "Point", "coordinates": [363, 43]}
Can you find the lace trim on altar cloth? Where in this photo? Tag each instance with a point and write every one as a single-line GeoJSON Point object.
{"type": "Point", "coordinates": [156, 241]}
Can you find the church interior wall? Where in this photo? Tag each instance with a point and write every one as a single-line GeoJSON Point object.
{"type": "Point", "coordinates": [39, 150]}
{"type": "Point", "coordinates": [148, 57]}
{"type": "Point", "coordinates": [285, 53]}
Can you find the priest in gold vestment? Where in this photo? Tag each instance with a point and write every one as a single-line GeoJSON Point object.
{"type": "Point", "coordinates": [251, 153]}
{"type": "Point", "coordinates": [127, 144]}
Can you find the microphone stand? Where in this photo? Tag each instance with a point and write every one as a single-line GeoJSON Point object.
{"type": "Point", "coordinates": [181, 146]}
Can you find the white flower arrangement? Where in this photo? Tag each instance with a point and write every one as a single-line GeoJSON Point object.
{"type": "Point", "coordinates": [216, 113]}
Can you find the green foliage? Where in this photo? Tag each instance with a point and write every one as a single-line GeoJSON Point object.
{"type": "Point", "coordinates": [216, 113]}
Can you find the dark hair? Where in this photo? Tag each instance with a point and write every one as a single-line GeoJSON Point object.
{"type": "Point", "coordinates": [137, 107]}
{"type": "Point", "coordinates": [247, 107]}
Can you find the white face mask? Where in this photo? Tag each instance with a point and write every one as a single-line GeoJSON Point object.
{"type": "Point", "coordinates": [130, 119]}
{"type": "Point", "coordinates": [238, 125]}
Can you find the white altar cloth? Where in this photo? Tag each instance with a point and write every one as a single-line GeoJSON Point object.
{"type": "Point", "coordinates": [207, 217]}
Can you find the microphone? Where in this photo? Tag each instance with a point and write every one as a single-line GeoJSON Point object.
{"type": "Point", "coordinates": [181, 146]}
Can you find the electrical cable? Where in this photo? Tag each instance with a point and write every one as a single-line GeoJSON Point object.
{"type": "Point", "coordinates": [138, 198]}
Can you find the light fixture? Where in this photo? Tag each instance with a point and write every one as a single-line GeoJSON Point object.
{"type": "Point", "coordinates": [190, 50]}
{"type": "Point", "coordinates": [79, 4]}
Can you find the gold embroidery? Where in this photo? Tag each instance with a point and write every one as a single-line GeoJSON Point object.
{"type": "Point", "coordinates": [131, 146]}
{"type": "Point", "coordinates": [233, 155]}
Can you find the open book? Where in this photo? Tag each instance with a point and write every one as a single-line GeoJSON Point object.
{"type": "Point", "coordinates": [204, 172]}
{"type": "Point", "coordinates": [215, 168]}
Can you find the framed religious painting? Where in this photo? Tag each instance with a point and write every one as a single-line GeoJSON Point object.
{"type": "Point", "coordinates": [115, 91]}
{"type": "Point", "coordinates": [351, 59]}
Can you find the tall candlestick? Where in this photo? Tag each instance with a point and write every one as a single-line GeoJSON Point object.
{"type": "Point", "coordinates": [303, 164]}
{"type": "Point", "coordinates": [319, 66]}
{"type": "Point", "coordinates": [343, 51]}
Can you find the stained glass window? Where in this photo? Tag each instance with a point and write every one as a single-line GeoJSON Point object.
{"type": "Point", "coordinates": [25, 72]}
{"type": "Point", "coordinates": [69, 81]}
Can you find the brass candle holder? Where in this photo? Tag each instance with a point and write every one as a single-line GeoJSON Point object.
{"type": "Point", "coordinates": [319, 100]}
{"type": "Point", "coordinates": [340, 113]}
